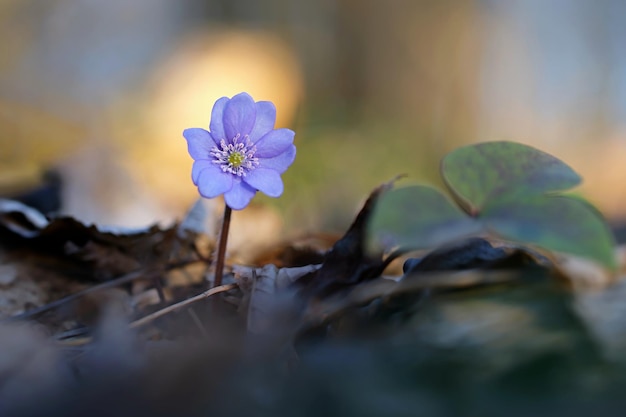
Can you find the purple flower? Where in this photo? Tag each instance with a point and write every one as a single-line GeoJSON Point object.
{"type": "Point", "coordinates": [242, 153]}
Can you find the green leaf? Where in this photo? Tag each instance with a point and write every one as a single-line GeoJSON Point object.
{"type": "Point", "coordinates": [417, 217]}
{"type": "Point", "coordinates": [558, 223]}
{"type": "Point", "coordinates": [481, 174]}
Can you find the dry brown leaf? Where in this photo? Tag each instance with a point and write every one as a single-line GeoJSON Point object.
{"type": "Point", "coordinates": [585, 275]}
{"type": "Point", "coordinates": [264, 291]}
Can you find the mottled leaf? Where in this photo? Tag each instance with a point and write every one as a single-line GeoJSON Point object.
{"type": "Point", "coordinates": [480, 174]}
{"type": "Point", "coordinates": [417, 217]}
{"type": "Point", "coordinates": [559, 223]}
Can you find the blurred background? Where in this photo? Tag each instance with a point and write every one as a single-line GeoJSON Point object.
{"type": "Point", "coordinates": [94, 95]}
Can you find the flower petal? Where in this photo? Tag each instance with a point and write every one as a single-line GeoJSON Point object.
{"type": "Point", "coordinates": [199, 142]}
{"type": "Point", "coordinates": [281, 162]}
{"type": "Point", "coordinates": [239, 196]}
{"type": "Point", "coordinates": [239, 115]}
{"type": "Point", "coordinates": [217, 120]}
{"type": "Point", "coordinates": [274, 143]}
{"type": "Point", "coordinates": [265, 180]}
{"type": "Point", "coordinates": [265, 119]}
{"type": "Point", "coordinates": [212, 181]}
{"type": "Point", "coordinates": [198, 167]}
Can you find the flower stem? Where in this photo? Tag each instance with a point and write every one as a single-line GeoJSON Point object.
{"type": "Point", "coordinates": [221, 248]}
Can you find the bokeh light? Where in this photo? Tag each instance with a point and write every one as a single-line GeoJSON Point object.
{"type": "Point", "coordinates": [101, 91]}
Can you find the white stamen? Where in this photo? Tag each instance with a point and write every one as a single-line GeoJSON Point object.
{"type": "Point", "coordinates": [237, 151]}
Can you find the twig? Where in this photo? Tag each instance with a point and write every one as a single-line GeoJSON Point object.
{"type": "Point", "coordinates": [393, 256]}
{"type": "Point", "coordinates": [150, 317]}
{"type": "Point", "coordinates": [131, 276]}
{"type": "Point", "coordinates": [442, 280]}
{"type": "Point", "coordinates": [57, 303]}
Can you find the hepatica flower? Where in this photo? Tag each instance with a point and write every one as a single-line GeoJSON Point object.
{"type": "Point", "coordinates": [242, 153]}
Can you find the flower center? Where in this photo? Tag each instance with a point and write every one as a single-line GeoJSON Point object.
{"type": "Point", "coordinates": [236, 157]}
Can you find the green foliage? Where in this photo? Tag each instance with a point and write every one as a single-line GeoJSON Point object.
{"type": "Point", "coordinates": [419, 217]}
{"type": "Point", "coordinates": [486, 173]}
{"type": "Point", "coordinates": [508, 190]}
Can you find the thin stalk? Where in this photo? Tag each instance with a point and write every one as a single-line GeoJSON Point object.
{"type": "Point", "coordinates": [221, 248]}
